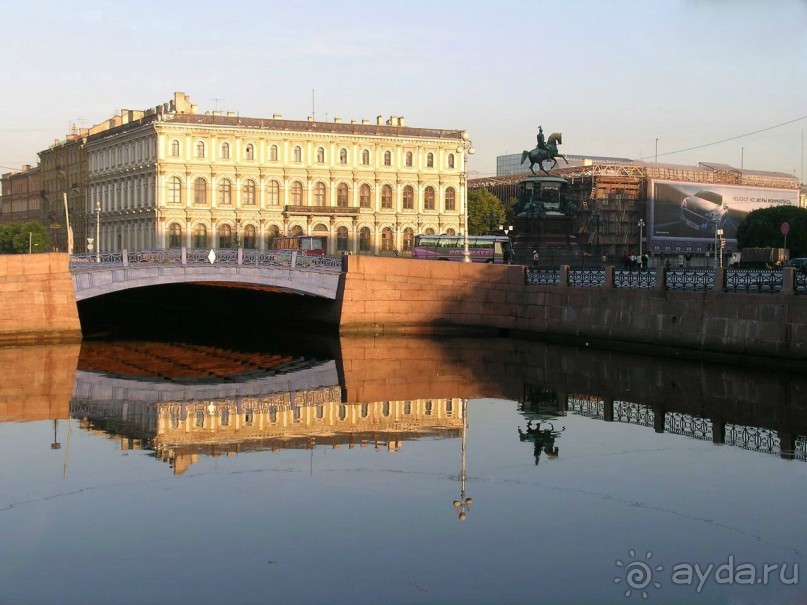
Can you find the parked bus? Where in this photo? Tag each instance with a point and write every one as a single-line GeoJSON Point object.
{"type": "Point", "coordinates": [482, 248]}
{"type": "Point", "coordinates": [310, 245]}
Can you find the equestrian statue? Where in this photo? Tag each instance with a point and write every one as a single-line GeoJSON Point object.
{"type": "Point", "coordinates": [545, 150]}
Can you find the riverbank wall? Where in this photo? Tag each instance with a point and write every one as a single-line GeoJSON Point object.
{"type": "Point", "coordinates": [37, 300]}
{"type": "Point", "coordinates": [404, 296]}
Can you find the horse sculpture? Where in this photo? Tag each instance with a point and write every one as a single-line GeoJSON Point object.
{"type": "Point", "coordinates": [549, 152]}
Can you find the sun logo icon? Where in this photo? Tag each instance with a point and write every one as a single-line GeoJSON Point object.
{"type": "Point", "coordinates": [638, 574]}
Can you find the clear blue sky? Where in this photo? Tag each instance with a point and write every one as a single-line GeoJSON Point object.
{"type": "Point", "coordinates": [611, 76]}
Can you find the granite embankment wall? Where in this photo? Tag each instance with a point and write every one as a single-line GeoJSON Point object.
{"type": "Point", "coordinates": [399, 295]}
{"type": "Point", "coordinates": [37, 301]}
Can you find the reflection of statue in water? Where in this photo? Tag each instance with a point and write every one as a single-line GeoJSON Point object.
{"type": "Point", "coordinates": [544, 439]}
{"type": "Point", "coordinates": [544, 151]}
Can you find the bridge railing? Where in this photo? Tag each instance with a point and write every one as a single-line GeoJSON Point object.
{"type": "Point", "coordinates": [284, 259]}
{"type": "Point", "coordinates": [751, 281]}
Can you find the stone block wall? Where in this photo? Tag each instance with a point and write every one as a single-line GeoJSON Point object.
{"type": "Point", "coordinates": [384, 295]}
{"type": "Point", "coordinates": [37, 300]}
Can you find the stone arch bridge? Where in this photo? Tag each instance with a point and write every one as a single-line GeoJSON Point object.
{"type": "Point", "coordinates": [285, 271]}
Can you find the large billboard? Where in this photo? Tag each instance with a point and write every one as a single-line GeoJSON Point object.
{"type": "Point", "coordinates": [683, 216]}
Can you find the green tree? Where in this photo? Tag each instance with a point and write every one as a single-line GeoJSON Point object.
{"type": "Point", "coordinates": [20, 238]}
{"type": "Point", "coordinates": [485, 212]}
{"type": "Point", "coordinates": [763, 228]}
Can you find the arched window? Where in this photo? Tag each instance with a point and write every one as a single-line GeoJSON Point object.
{"type": "Point", "coordinates": [249, 237]}
{"type": "Point", "coordinates": [341, 239]}
{"type": "Point", "coordinates": [451, 199]}
{"type": "Point", "coordinates": [387, 158]}
{"type": "Point", "coordinates": [200, 236]}
{"type": "Point", "coordinates": [450, 232]}
{"type": "Point", "coordinates": [408, 238]}
{"type": "Point", "coordinates": [408, 198]}
{"type": "Point", "coordinates": [174, 190]}
{"type": "Point", "coordinates": [297, 193]}
{"type": "Point", "coordinates": [428, 198]}
{"type": "Point", "coordinates": [429, 231]}
{"type": "Point", "coordinates": [451, 160]}
{"type": "Point", "coordinates": [387, 243]}
{"type": "Point", "coordinates": [249, 151]}
{"type": "Point", "coordinates": [272, 233]}
{"type": "Point", "coordinates": [296, 230]}
{"type": "Point", "coordinates": [298, 154]}
{"type": "Point", "coordinates": [249, 193]}
{"type": "Point", "coordinates": [343, 156]}
{"type": "Point", "coordinates": [342, 195]}
{"type": "Point", "coordinates": [225, 236]}
{"type": "Point", "coordinates": [225, 151]}
{"type": "Point", "coordinates": [364, 196]}
{"type": "Point", "coordinates": [319, 194]}
{"type": "Point", "coordinates": [409, 158]}
{"type": "Point", "coordinates": [225, 193]}
{"type": "Point", "coordinates": [200, 191]}
{"type": "Point", "coordinates": [429, 160]}
{"type": "Point", "coordinates": [273, 153]}
{"type": "Point", "coordinates": [386, 197]}
{"type": "Point", "coordinates": [273, 193]}
{"type": "Point", "coordinates": [200, 149]}
{"type": "Point", "coordinates": [174, 149]}
{"type": "Point", "coordinates": [320, 155]}
{"type": "Point", "coordinates": [175, 235]}
{"type": "Point", "coordinates": [365, 157]}
{"type": "Point", "coordinates": [364, 239]}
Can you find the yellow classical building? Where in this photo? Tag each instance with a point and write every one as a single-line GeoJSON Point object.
{"type": "Point", "coordinates": [173, 177]}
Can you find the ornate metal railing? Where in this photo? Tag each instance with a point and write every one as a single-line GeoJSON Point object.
{"type": "Point", "coordinates": [625, 278]}
{"type": "Point", "coordinates": [753, 280]}
{"type": "Point", "coordinates": [800, 283]}
{"type": "Point", "coordinates": [222, 256]}
{"type": "Point", "coordinates": [587, 278]}
{"type": "Point", "coordinates": [543, 277]}
{"type": "Point", "coordinates": [690, 279]}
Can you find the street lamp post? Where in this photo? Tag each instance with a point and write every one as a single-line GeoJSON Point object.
{"type": "Point", "coordinates": [97, 232]}
{"type": "Point", "coordinates": [718, 246]}
{"type": "Point", "coordinates": [466, 148]}
{"type": "Point", "coordinates": [641, 233]}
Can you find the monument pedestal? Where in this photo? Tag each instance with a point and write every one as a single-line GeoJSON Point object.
{"type": "Point", "coordinates": [551, 236]}
{"type": "Point", "coordinates": [545, 223]}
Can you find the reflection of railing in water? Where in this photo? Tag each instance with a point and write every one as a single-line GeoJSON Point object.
{"type": "Point", "coordinates": [753, 438]}
{"type": "Point", "coordinates": [633, 413]}
{"type": "Point", "coordinates": [688, 425]}
{"type": "Point", "coordinates": [586, 405]}
{"type": "Point", "coordinates": [757, 439]}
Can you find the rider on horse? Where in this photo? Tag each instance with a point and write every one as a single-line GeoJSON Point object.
{"type": "Point", "coordinates": [541, 142]}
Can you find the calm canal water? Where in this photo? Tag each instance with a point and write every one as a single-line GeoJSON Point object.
{"type": "Point", "coordinates": [396, 471]}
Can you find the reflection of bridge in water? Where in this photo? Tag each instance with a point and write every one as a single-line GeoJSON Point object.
{"type": "Point", "coordinates": [184, 401]}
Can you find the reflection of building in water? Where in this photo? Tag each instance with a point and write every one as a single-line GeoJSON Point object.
{"type": "Point", "coordinates": [180, 431]}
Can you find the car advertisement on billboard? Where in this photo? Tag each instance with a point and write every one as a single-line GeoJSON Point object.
{"type": "Point", "coordinates": [687, 214]}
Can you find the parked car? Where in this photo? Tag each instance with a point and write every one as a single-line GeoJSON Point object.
{"type": "Point", "coordinates": [799, 263]}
